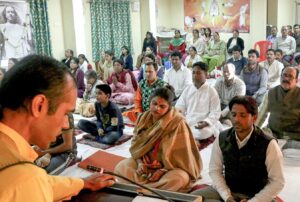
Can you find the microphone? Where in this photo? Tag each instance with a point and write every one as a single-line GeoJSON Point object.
{"type": "Point", "coordinates": [103, 171]}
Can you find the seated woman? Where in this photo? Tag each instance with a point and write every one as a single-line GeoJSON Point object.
{"type": "Point", "coordinates": [60, 150]}
{"type": "Point", "coordinates": [192, 58]}
{"type": "Point", "coordinates": [149, 57]}
{"type": "Point", "coordinates": [100, 62]}
{"type": "Point", "coordinates": [84, 63]}
{"type": "Point", "coordinates": [215, 52]}
{"type": "Point", "coordinates": [107, 68]}
{"type": "Point", "coordinates": [207, 35]}
{"type": "Point", "coordinates": [122, 84]}
{"type": "Point", "coordinates": [108, 127]}
{"type": "Point", "coordinates": [149, 50]}
{"type": "Point", "coordinates": [197, 42]}
{"type": "Point", "coordinates": [149, 41]}
{"type": "Point", "coordinates": [177, 43]}
{"type": "Point", "coordinates": [92, 82]}
{"type": "Point", "coordinates": [127, 58]}
{"type": "Point", "coordinates": [164, 152]}
{"type": "Point", "coordinates": [78, 75]}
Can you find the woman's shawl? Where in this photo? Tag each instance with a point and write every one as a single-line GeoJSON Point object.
{"type": "Point", "coordinates": [177, 41]}
{"type": "Point", "coordinates": [177, 145]}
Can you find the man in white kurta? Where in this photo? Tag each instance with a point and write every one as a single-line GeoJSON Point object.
{"type": "Point", "coordinates": [178, 76]}
{"type": "Point", "coordinates": [273, 67]}
{"type": "Point", "coordinates": [200, 104]}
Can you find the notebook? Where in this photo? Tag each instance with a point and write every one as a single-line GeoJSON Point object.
{"type": "Point", "coordinates": [101, 159]}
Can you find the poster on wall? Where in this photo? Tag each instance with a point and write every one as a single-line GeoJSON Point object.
{"type": "Point", "coordinates": [16, 39]}
{"type": "Point", "coordinates": [219, 15]}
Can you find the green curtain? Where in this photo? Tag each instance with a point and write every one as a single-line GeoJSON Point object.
{"type": "Point", "coordinates": [40, 24]}
{"type": "Point", "coordinates": [111, 26]}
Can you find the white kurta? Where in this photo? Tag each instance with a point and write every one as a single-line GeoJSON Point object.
{"type": "Point", "coordinates": [179, 79]}
{"type": "Point", "coordinates": [201, 104]}
{"type": "Point", "coordinates": [274, 72]}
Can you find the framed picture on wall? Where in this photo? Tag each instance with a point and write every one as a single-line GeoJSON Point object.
{"type": "Point", "coordinates": [219, 15]}
{"type": "Point", "coordinates": [16, 39]}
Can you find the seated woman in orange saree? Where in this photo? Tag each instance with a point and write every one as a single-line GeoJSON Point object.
{"type": "Point", "coordinates": [164, 152]}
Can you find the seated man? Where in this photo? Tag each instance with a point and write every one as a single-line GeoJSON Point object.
{"type": "Point", "coordinates": [36, 115]}
{"type": "Point", "coordinates": [273, 36]}
{"type": "Point", "coordinates": [285, 43]}
{"type": "Point", "coordinates": [178, 75]}
{"type": "Point", "coordinates": [273, 68]}
{"type": "Point", "coordinates": [150, 57]}
{"type": "Point", "coordinates": [145, 88]}
{"type": "Point", "coordinates": [200, 104]}
{"type": "Point", "coordinates": [246, 164]}
{"type": "Point", "coordinates": [255, 77]}
{"type": "Point", "coordinates": [283, 104]}
{"type": "Point", "coordinates": [108, 127]}
{"type": "Point", "coordinates": [123, 84]}
{"type": "Point", "coordinates": [228, 86]}
{"type": "Point", "coordinates": [92, 82]}
{"type": "Point", "coordinates": [238, 60]}
{"type": "Point", "coordinates": [60, 150]}
{"type": "Point", "coordinates": [279, 56]}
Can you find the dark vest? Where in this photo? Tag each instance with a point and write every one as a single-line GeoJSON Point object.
{"type": "Point", "coordinates": [284, 107]}
{"type": "Point", "coordinates": [245, 169]}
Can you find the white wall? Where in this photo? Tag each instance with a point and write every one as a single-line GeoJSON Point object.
{"type": "Point", "coordinates": [68, 25]}
{"type": "Point", "coordinates": [87, 29]}
{"type": "Point", "coordinates": [56, 28]}
{"type": "Point", "coordinates": [286, 13]}
{"type": "Point", "coordinates": [137, 35]}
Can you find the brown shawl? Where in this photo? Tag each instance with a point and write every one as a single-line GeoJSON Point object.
{"type": "Point", "coordinates": [177, 145]}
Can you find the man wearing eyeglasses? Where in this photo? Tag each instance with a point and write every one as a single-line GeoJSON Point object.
{"type": "Point", "coordinates": [283, 104]}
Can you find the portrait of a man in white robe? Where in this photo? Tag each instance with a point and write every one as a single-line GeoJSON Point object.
{"type": "Point", "coordinates": [15, 30]}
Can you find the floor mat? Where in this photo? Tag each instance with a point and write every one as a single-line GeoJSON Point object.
{"type": "Point", "coordinates": [98, 145]}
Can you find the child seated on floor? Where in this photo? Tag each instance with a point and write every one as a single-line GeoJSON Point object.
{"type": "Point", "coordinates": [108, 127]}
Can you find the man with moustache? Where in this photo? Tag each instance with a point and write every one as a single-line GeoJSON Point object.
{"type": "Point", "coordinates": [283, 104]}
{"type": "Point", "coordinates": [245, 163]}
{"type": "Point", "coordinates": [255, 77]}
{"type": "Point", "coordinates": [273, 67]}
{"type": "Point", "coordinates": [145, 88]}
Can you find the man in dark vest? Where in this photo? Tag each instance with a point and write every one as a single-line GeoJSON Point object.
{"type": "Point", "coordinates": [245, 164]}
{"type": "Point", "coordinates": [283, 104]}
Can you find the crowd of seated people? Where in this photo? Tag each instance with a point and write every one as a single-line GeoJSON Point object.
{"type": "Point", "coordinates": [199, 107]}
{"type": "Point", "coordinates": [192, 108]}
